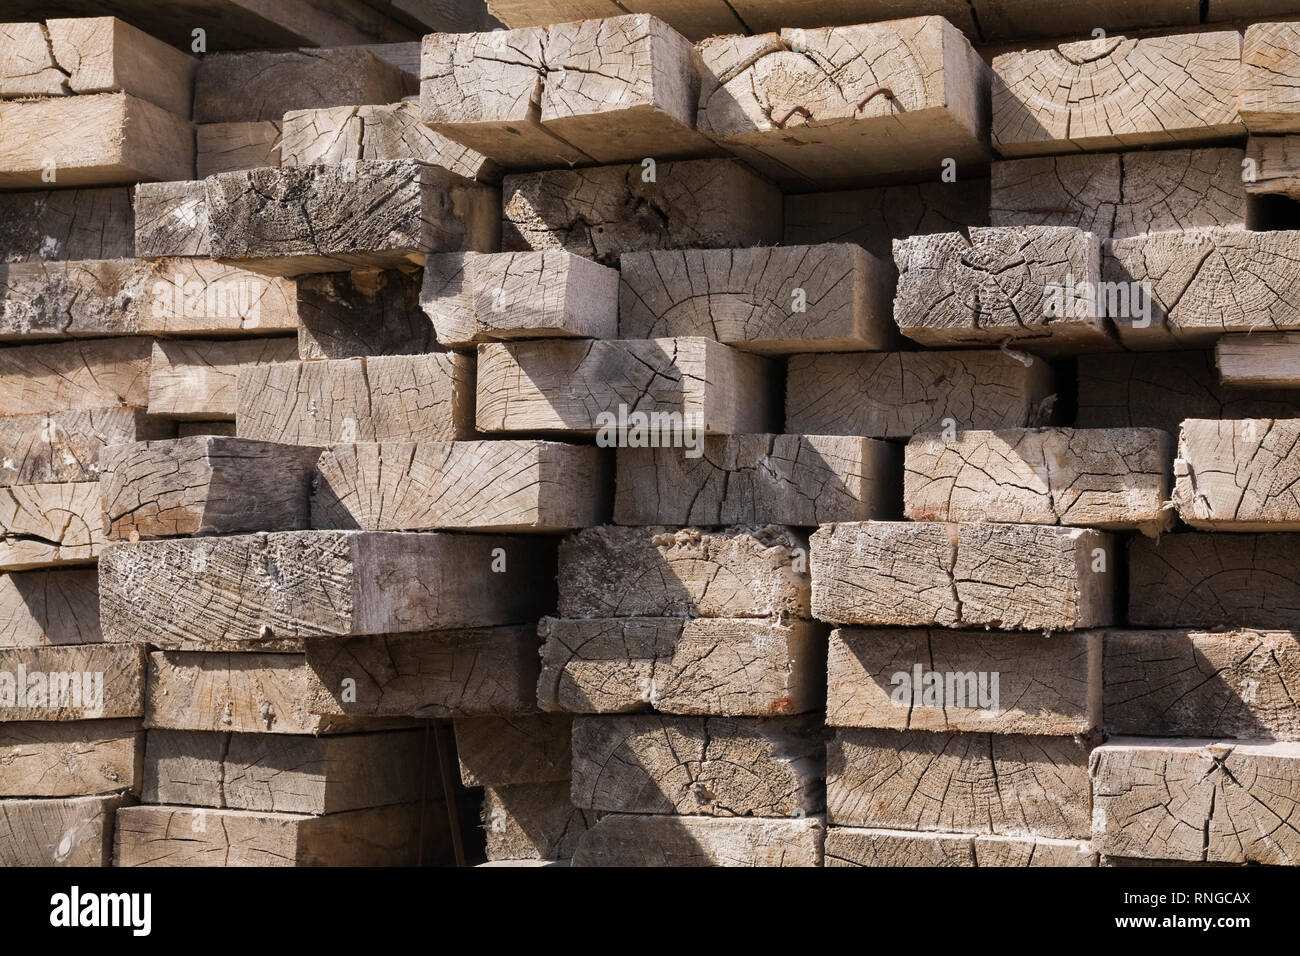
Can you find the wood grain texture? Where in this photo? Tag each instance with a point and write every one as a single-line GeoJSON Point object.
{"type": "Point", "coordinates": [50, 606]}
{"type": "Point", "coordinates": [66, 224]}
{"type": "Point", "coordinates": [227, 147]}
{"type": "Point", "coordinates": [71, 759]}
{"type": "Point", "coordinates": [106, 55]}
{"type": "Point", "coordinates": [198, 379]}
{"type": "Point", "coordinates": [634, 840]}
{"type": "Point", "coordinates": [859, 846]}
{"type": "Point", "coordinates": [533, 821]}
{"type": "Point", "coordinates": [74, 376]}
{"type": "Point", "coordinates": [171, 219]}
{"type": "Point", "coordinates": [72, 831]}
{"type": "Point", "coordinates": [71, 683]}
{"type": "Point", "coordinates": [1236, 475]}
{"type": "Point", "coordinates": [518, 749]}
{"type": "Point", "coordinates": [1277, 165]}
{"type": "Point", "coordinates": [1269, 101]}
{"type": "Point", "coordinates": [329, 304]}
{"type": "Point", "coordinates": [50, 524]}
{"type": "Point", "coordinates": [65, 446]}
{"type": "Point", "coordinates": [1267, 360]}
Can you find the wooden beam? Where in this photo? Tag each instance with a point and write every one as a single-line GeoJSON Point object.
{"type": "Point", "coordinates": [1269, 102]}
{"type": "Point", "coordinates": [1259, 361]}
{"type": "Point", "coordinates": [517, 749]}
{"type": "Point", "coordinates": [50, 524]}
{"type": "Point", "coordinates": [171, 219]}
{"type": "Point", "coordinates": [329, 303]}
{"type": "Point", "coordinates": [70, 759]}
{"type": "Point", "coordinates": [658, 840]}
{"type": "Point", "coordinates": [71, 831]}
{"type": "Point", "coordinates": [54, 606]}
{"type": "Point", "coordinates": [72, 683]}
{"type": "Point", "coordinates": [227, 147]}
{"type": "Point", "coordinates": [67, 224]}
{"type": "Point", "coordinates": [65, 446]}
{"type": "Point", "coordinates": [197, 379]}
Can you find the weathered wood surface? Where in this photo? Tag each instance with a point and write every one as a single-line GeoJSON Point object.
{"type": "Point", "coordinates": [605, 211]}
{"type": "Point", "coordinates": [533, 821]}
{"type": "Point", "coordinates": [65, 446]}
{"type": "Point", "coordinates": [199, 836]}
{"type": "Point", "coordinates": [902, 394]}
{"type": "Point", "coordinates": [655, 571]}
{"type": "Point", "coordinates": [506, 485]}
{"type": "Point", "coordinates": [27, 64]}
{"type": "Point", "coordinates": [632, 840]}
{"type": "Point", "coordinates": [386, 132]}
{"type": "Point", "coordinates": [379, 398]}
{"type": "Point", "coordinates": [72, 759]}
{"type": "Point", "coordinates": [707, 766]}
{"type": "Point", "coordinates": [1113, 479]}
{"type": "Point", "coordinates": [283, 774]}
{"type": "Point", "coordinates": [105, 139]}
{"type": "Point", "coordinates": [205, 485]}
{"type": "Point", "coordinates": [389, 299]}
{"type": "Point", "coordinates": [1214, 581]}
{"type": "Point", "coordinates": [227, 147]}
{"type": "Point", "coordinates": [857, 846]}
{"type": "Point", "coordinates": [74, 831]}
{"type": "Point", "coordinates": [171, 219]}
{"type": "Point", "coordinates": [264, 85]}
{"type": "Point", "coordinates": [1031, 287]}
{"type": "Point", "coordinates": [71, 682]}
{"type": "Point", "coordinates": [66, 224]}
{"type": "Point", "coordinates": [1277, 166]}
{"type": "Point", "coordinates": [50, 524]}
{"type": "Point", "coordinates": [1122, 194]}
{"type": "Point", "coordinates": [798, 480]}
{"type": "Point", "coordinates": [935, 109]}
{"type": "Point", "coordinates": [824, 298]}
{"type": "Point", "coordinates": [1220, 801]}
{"type": "Point", "coordinates": [914, 780]}
{"type": "Point", "coordinates": [1117, 92]}
{"type": "Point", "coordinates": [1206, 684]}
{"type": "Point", "coordinates": [90, 298]}
{"type": "Point", "coordinates": [444, 673]}
{"type": "Point", "coordinates": [74, 376]}
{"type": "Point", "coordinates": [198, 379]}
{"type": "Point", "coordinates": [719, 667]}
{"type": "Point", "coordinates": [51, 606]}
{"type": "Point", "coordinates": [933, 574]}
{"type": "Point", "coordinates": [1266, 360]}
{"type": "Point", "coordinates": [941, 680]}
{"type": "Point", "coordinates": [1236, 475]}
{"type": "Point", "coordinates": [682, 388]}
{"type": "Point", "coordinates": [473, 297]}
{"type": "Point", "coordinates": [1269, 63]}
{"type": "Point", "coordinates": [695, 19]}
{"type": "Point", "coordinates": [301, 584]}
{"type": "Point", "coordinates": [1161, 389]}
{"type": "Point", "coordinates": [303, 219]}
{"type": "Point", "coordinates": [519, 749]}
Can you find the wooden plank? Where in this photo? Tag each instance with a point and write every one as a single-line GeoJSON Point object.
{"type": "Point", "coordinates": [859, 846]}
{"type": "Point", "coordinates": [533, 821]}
{"type": "Point", "coordinates": [940, 680]}
{"type": "Point", "coordinates": [873, 778]}
{"type": "Point", "coordinates": [74, 376]}
{"type": "Point", "coordinates": [303, 219]}
{"type": "Point", "coordinates": [53, 606]}
{"type": "Point", "coordinates": [622, 839]}
{"type": "Point", "coordinates": [689, 204]}
{"type": "Point", "coordinates": [673, 386]}
{"type": "Point", "coordinates": [719, 667]}
{"type": "Point", "coordinates": [205, 485]}
{"type": "Point", "coordinates": [264, 85]}
{"type": "Point", "coordinates": [664, 572]}
{"type": "Point", "coordinates": [384, 132]}
{"type": "Point", "coordinates": [823, 298]}
{"type": "Point", "coordinates": [472, 297]}
{"type": "Point", "coordinates": [171, 219]}
{"type": "Point", "coordinates": [279, 773]}
{"type": "Point", "coordinates": [74, 831]}
{"type": "Point", "coordinates": [227, 147]}
{"type": "Point", "coordinates": [66, 224]}
{"type": "Point", "coordinates": [300, 584]}
{"type": "Point", "coordinates": [1269, 102]}
{"type": "Point", "coordinates": [1235, 475]}
{"type": "Point", "coordinates": [796, 480]}
{"type": "Point", "coordinates": [1277, 166]}
{"type": "Point", "coordinates": [50, 300]}
{"type": "Point", "coordinates": [1122, 194]}
{"type": "Point", "coordinates": [65, 446]}
{"type": "Point", "coordinates": [517, 486]}
{"type": "Point", "coordinates": [1118, 92]}
{"type": "Point", "coordinates": [380, 398]}
{"type": "Point", "coordinates": [1224, 802]}
{"type": "Point", "coordinates": [71, 683]}
{"type": "Point", "coordinates": [1112, 479]}
{"type": "Point", "coordinates": [901, 394]}
{"type": "Point", "coordinates": [106, 55]}
{"type": "Point", "coordinates": [1267, 360]}
{"type": "Point", "coordinates": [696, 19]}
{"type": "Point", "coordinates": [105, 139]}
{"type": "Point", "coordinates": [522, 749]}
{"type": "Point", "coordinates": [330, 303]}
{"type": "Point", "coordinates": [72, 759]}
{"type": "Point", "coordinates": [1234, 683]}
{"type": "Point", "coordinates": [198, 379]}
{"type": "Point", "coordinates": [1214, 581]}
{"type": "Point", "coordinates": [931, 574]}
{"type": "Point", "coordinates": [50, 524]}
{"type": "Point", "coordinates": [27, 65]}
{"type": "Point", "coordinates": [444, 673]}
{"type": "Point", "coordinates": [1007, 851]}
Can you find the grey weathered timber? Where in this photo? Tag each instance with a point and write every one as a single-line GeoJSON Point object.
{"type": "Point", "coordinates": [50, 524]}
{"type": "Point", "coordinates": [858, 846]}
{"type": "Point", "coordinates": [940, 680]}
{"type": "Point", "coordinates": [65, 446]}
{"type": "Point", "coordinates": [1235, 475]}
{"type": "Point", "coordinates": [66, 224]}
{"type": "Point", "coordinates": [363, 312]}
{"type": "Point", "coordinates": [902, 394]}
{"type": "Point", "coordinates": [695, 19]}
{"type": "Point", "coordinates": [1220, 801]}
{"type": "Point", "coordinates": [71, 682]}
{"type": "Point", "coordinates": [1116, 479]}
{"type": "Point", "coordinates": [72, 831]}
{"type": "Point", "coordinates": [226, 147]}
{"type": "Point", "coordinates": [522, 748]}
{"type": "Point", "coordinates": [678, 389]}
{"type": "Point", "coordinates": [959, 782]}
{"type": "Point", "coordinates": [197, 379]}
{"type": "Point", "coordinates": [205, 485]}
{"type": "Point", "coordinates": [934, 574]}
{"type": "Point", "coordinates": [506, 485]}
{"type": "Point", "coordinates": [1276, 165]}
{"type": "Point", "coordinates": [74, 376]}
{"type": "Point", "coordinates": [70, 759]}
{"type": "Point", "coordinates": [723, 667]}
{"type": "Point", "coordinates": [824, 298]}
{"type": "Point", "coordinates": [533, 821]}
{"type": "Point", "coordinates": [624, 839]}
{"type": "Point", "coordinates": [474, 297]}
{"type": "Point", "coordinates": [379, 398]}
{"type": "Point", "coordinates": [1266, 360]}
{"type": "Point", "coordinates": [602, 212]}
{"type": "Point", "coordinates": [171, 219]}
{"type": "Point", "coordinates": [49, 606]}
{"type": "Point", "coordinates": [655, 571]}
{"type": "Point", "coordinates": [1269, 101]}
{"type": "Point", "coordinates": [796, 480]}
